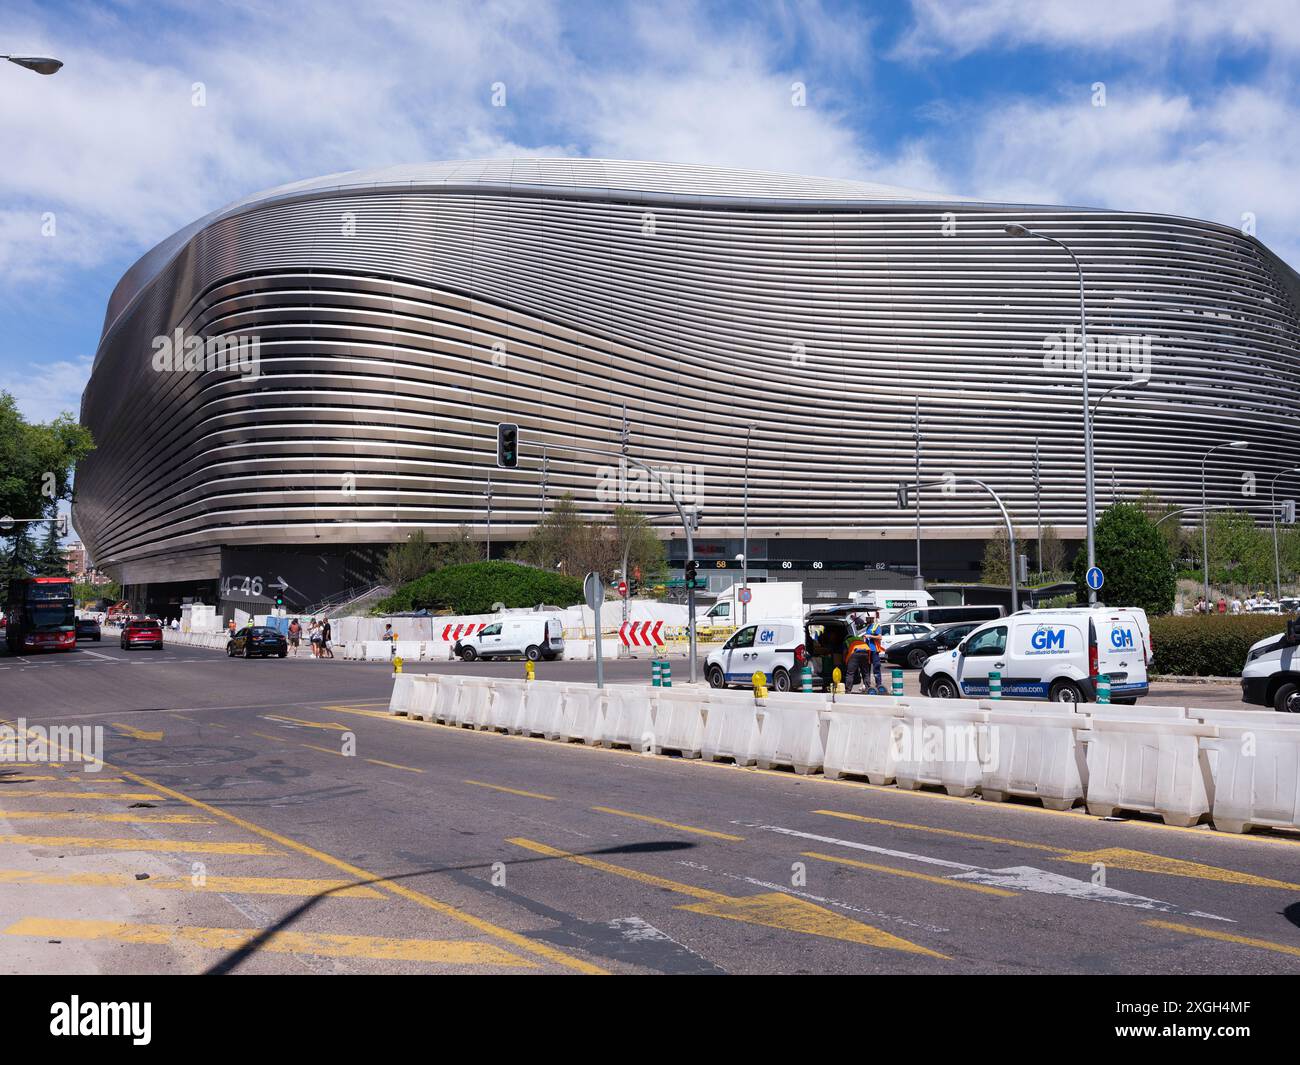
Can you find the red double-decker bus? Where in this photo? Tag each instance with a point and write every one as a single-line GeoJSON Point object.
{"type": "Point", "coordinates": [40, 615]}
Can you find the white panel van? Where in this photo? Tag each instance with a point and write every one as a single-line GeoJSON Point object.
{"type": "Point", "coordinates": [530, 636]}
{"type": "Point", "coordinates": [1048, 654]}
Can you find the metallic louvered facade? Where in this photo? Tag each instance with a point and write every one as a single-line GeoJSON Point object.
{"type": "Point", "coordinates": [402, 313]}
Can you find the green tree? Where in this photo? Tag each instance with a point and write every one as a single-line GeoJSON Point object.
{"type": "Point", "coordinates": [36, 460]}
{"type": "Point", "coordinates": [477, 587]}
{"type": "Point", "coordinates": [1156, 508]}
{"type": "Point", "coordinates": [1135, 559]}
{"type": "Point", "coordinates": [1053, 560]}
{"type": "Point", "coordinates": [20, 559]}
{"type": "Point", "coordinates": [646, 559]}
{"type": "Point", "coordinates": [1241, 553]}
{"type": "Point", "coordinates": [994, 569]}
{"type": "Point", "coordinates": [460, 550]}
{"type": "Point", "coordinates": [50, 560]}
{"type": "Point", "coordinates": [408, 561]}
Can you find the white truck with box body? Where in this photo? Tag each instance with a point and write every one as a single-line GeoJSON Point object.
{"type": "Point", "coordinates": [775, 599]}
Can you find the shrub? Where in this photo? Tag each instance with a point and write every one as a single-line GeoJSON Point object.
{"type": "Point", "coordinates": [474, 588]}
{"type": "Point", "coordinates": [1208, 646]}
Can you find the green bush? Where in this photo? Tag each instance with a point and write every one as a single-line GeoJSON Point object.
{"type": "Point", "coordinates": [473, 588]}
{"type": "Point", "coordinates": [1208, 646]}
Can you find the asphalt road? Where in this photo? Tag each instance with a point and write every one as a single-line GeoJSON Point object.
{"type": "Point", "coordinates": [269, 816]}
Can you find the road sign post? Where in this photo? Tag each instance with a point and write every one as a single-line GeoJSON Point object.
{"type": "Point", "coordinates": [593, 589]}
{"type": "Point", "coordinates": [1096, 578]}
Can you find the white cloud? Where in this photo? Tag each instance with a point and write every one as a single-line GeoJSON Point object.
{"type": "Point", "coordinates": [47, 389]}
{"type": "Point", "coordinates": [960, 27]}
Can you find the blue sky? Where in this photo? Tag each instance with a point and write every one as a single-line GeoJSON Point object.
{"type": "Point", "coordinates": [987, 98]}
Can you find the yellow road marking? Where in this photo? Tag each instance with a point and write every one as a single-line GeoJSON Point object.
{"type": "Point", "coordinates": [941, 831]}
{"type": "Point", "coordinates": [394, 765]}
{"type": "Point", "coordinates": [669, 824]}
{"type": "Point", "coordinates": [522, 942]}
{"type": "Point", "coordinates": [137, 734]}
{"type": "Point", "coordinates": [774, 909]}
{"type": "Point", "coordinates": [1226, 937]}
{"type": "Point", "coordinates": [309, 724]}
{"type": "Point", "coordinates": [65, 778]}
{"type": "Point", "coordinates": [371, 713]}
{"type": "Point", "coordinates": [62, 815]}
{"type": "Point", "coordinates": [323, 750]}
{"type": "Point", "coordinates": [1114, 857]}
{"type": "Point", "coordinates": [513, 791]}
{"type": "Point", "coordinates": [267, 736]}
{"type": "Point", "coordinates": [982, 888]}
{"type": "Point", "coordinates": [40, 793]}
{"type": "Point", "coordinates": [232, 885]}
{"type": "Point", "coordinates": [1142, 862]}
{"type": "Point", "coordinates": [328, 945]}
{"type": "Point", "coordinates": [138, 844]}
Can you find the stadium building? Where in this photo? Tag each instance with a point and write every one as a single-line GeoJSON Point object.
{"type": "Point", "coordinates": [289, 385]}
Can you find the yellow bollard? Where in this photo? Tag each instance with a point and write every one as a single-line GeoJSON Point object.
{"type": "Point", "coordinates": [759, 680]}
{"type": "Point", "coordinates": [837, 681]}
{"type": "Point", "coordinates": [397, 664]}
{"type": "Point", "coordinates": [530, 671]}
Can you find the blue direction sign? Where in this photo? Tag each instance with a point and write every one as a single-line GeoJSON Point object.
{"type": "Point", "coordinates": [1096, 578]}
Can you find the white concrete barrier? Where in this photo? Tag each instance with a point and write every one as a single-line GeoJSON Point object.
{"type": "Point", "coordinates": [474, 708]}
{"type": "Point", "coordinates": [629, 717]}
{"type": "Point", "coordinates": [1148, 759]}
{"type": "Point", "coordinates": [1036, 750]}
{"type": "Point", "coordinates": [582, 714]}
{"type": "Point", "coordinates": [403, 693]}
{"type": "Point", "coordinates": [679, 720]}
{"type": "Point", "coordinates": [425, 695]}
{"type": "Point", "coordinates": [941, 743]}
{"type": "Point", "coordinates": [1255, 767]}
{"type": "Point", "coordinates": [730, 727]}
{"type": "Point", "coordinates": [576, 650]}
{"type": "Point", "coordinates": [791, 732]}
{"type": "Point", "coordinates": [543, 712]}
{"type": "Point", "coordinates": [510, 706]}
{"type": "Point", "coordinates": [860, 738]}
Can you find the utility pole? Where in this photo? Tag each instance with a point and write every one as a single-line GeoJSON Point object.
{"type": "Point", "coordinates": [546, 467]}
{"type": "Point", "coordinates": [920, 581]}
{"type": "Point", "coordinates": [489, 518]}
{"type": "Point", "coordinates": [744, 549]}
{"type": "Point", "coordinates": [1038, 507]}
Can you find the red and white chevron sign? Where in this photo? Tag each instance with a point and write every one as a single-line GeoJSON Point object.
{"type": "Point", "coordinates": [640, 633]}
{"type": "Point", "coordinates": [455, 632]}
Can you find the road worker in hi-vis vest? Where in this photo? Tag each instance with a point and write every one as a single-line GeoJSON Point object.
{"type": "Point", "coordinates": [863, 652]}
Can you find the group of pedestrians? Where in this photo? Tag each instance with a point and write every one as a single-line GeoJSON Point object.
{"type": "Point", "coordinates": [1233, 605]}
{"type": "Point", "coordinates": [320, 637]}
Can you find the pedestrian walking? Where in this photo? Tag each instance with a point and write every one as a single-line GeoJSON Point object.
{"type": "Point", "coordinates": [326, 639]}
{"type": "Point", "coordinates": [314, 632]}
{"type": "Point", "coordinates": [295, 636]}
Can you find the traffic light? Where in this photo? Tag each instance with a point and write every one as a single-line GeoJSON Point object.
{"type": "Point", "coordinates": [1288, 512]}
{"type": "Point", "coordinates": [692, 568]}
{"type": "Point", "coordinates": [507, 445]}
{"type": "Point", "coordinates": [279, 599]}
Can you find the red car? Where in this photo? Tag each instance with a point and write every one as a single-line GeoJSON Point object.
{"type": "Point", "coordinates": [142, 632]}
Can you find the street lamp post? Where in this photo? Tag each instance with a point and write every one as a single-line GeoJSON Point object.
{"type": "Point", "coordinates": [39, 63]}
{"type": "Point", "coordinates": [919, 581]}
{"type": "Point", "coordinates": [1038, 511]}
{"type": "Point", "coordinates": [903, 490]}
{"type": "Point", "coordinates": [1272, 510]}
{"type": "Point", "coordinates": [744, 550]}
{"type": "Point", "coordinates": [1090, 500]}
{"type": "Point", "coordinates": [1205, 517]}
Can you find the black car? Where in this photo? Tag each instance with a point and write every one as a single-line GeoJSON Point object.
{"type": "Point", "coordinates": [88, 629]}
{"type": "Point", "coordinates": [914, 652]}
{"type": "Point", "coordinates": [256, 641]}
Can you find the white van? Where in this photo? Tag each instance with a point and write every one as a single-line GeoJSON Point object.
{"type": "Point", "coordinates": [775, 646]}
{"type": "Point", "coordinates": [1271, 676]}
{"type": "Point", "coordinates": [530, 636]}
{"type": "Point", "coordinates": [1048, 654]}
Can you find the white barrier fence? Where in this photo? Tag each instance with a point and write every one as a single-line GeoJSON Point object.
{"type": "Point", "coordinates": [1240, 769]}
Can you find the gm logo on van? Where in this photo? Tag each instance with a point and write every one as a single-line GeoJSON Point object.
{"type": "Point", "coordinates": [1048, 640]}
{"type": "Point", "coordinates": [1121, 639]}
{"type": "Point", "coordinates": [766, 636]}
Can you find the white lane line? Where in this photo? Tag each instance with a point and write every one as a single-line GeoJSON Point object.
{"type": "Point", "coordinates": [1015, 878]}
{"type": "Point", "coordinates": [106, 658]}
{"type": "Point", "coordinates": [821, 900]}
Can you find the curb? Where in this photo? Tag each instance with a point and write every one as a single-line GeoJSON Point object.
{"type": "Point", "coordinates": [1193, 680]}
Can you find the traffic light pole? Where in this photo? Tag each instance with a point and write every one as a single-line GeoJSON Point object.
{"type": "Point", "coordinates": [681, 513]}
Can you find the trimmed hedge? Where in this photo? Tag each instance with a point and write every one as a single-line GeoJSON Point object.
{"type": "Point", "coordinates": [1209, 646]}
{"type": "Point", "coordinates": [473, 588]}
